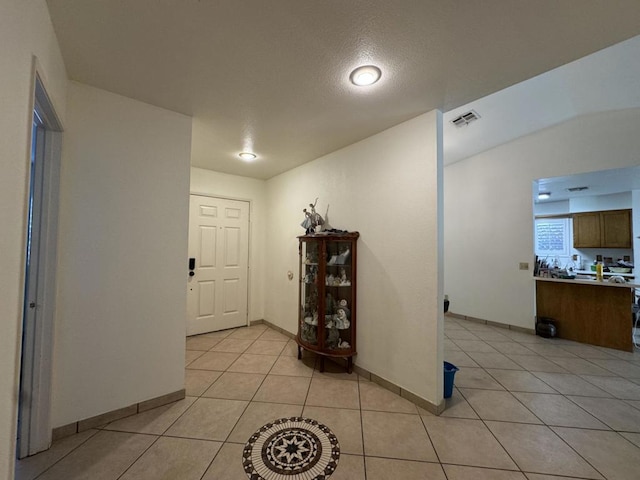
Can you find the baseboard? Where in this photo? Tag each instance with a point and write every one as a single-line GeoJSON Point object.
{"type": "Point", "coordinates": [392, 387]}
{"type": "Point", "coordinates": [107, 417]}
{"type": "Point", "coordinates": [515, 328]}
{"type": "Point", "coordinates": [406, 394]}
{"type": "Point", "coordinates": [278, 329]}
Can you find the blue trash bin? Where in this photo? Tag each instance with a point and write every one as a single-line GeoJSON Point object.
{"type": "Point", "coordinates": [449, 372]}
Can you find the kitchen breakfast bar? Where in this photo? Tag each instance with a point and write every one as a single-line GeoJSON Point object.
{"type": "Point", "coordinates": [588, 311]}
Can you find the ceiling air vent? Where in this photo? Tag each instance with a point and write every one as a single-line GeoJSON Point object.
{"type": "Point", "coordinates": [465, 118]}
{"type": "Point", "coordinates": [577, 189]}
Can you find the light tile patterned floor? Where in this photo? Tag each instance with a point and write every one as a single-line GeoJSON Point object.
{"type": "Point", "coordinates": [524, 408]}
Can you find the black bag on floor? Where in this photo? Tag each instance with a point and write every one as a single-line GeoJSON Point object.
{"type": "Point", "coordinates": [545, 327]}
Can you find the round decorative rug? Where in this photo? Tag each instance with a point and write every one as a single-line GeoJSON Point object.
{"type": "Point", "coordinates": [293, 448]}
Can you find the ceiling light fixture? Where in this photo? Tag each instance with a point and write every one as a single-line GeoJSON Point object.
{"type": "Point", "coordinates": [544, 195]}
{"type": "Point", "coordinates": [247, 156]}
{"type": "Point", "coordinates": [365, 76]}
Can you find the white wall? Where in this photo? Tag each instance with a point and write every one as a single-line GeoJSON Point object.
{"type": "Point", "coordinates": [596, 203]}
{"type": "Point", "coordinates": [551, 208]}
{"type": "Point", "coordinates": [488, 209]}
{"type": "Point", "coordinates": [386, 187]}
{"type": "Point", "coordinates": [207, 182]}
{"type": "Point", "coordinates": [25, 31]}
{"type": "Point", "coordinates": [120, 323]}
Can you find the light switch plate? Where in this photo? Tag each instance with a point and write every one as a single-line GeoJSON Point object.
{"type": "Point", "coordinates": [524, 265]}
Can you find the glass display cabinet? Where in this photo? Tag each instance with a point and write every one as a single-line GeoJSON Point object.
{"type": "Point", "coordinates": [327, 310]}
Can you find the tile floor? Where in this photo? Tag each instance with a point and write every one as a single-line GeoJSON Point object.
{"type": "Point", "coordinates": [524, 408]}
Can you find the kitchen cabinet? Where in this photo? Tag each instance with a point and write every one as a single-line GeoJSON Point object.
{"type": "Point", "coordinates": [586, 230]}
{"type": "Point", "coordinates": [608, 229]}
{"type": "Point", "coordinates": [586, 311]}
{"type": "Point", "coordinates": [327, 300]}
{"type": "Point", "coordinates": [616, 229]}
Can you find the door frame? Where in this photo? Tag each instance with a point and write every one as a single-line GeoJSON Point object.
{"type": "Point", "coordinates": [249, 245]}
{"type": "Point", "coordinates": [34, 429]}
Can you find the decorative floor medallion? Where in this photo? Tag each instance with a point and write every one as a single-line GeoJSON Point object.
{"type": "Point", "coordinates": [293, 448]}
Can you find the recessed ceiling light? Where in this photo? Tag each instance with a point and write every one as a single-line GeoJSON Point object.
{"type": "Point", "coordinates": [366, 75]}
{"type": "Point", "coordinates": [247, 156]}
{"type": "Point", "coordinates": [543, 195]}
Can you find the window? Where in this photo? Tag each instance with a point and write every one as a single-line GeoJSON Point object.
{"type": "Point", "coordinates": [552, 237]}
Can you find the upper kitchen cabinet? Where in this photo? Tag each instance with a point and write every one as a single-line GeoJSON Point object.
{"type": "Point", "coordinates": [616, 229]}
{"type": "Point", "coordinates": [609, 229]}
{"type": "Point", "coordinates": [586, 230]}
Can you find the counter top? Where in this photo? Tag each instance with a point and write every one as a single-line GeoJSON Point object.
{"type": "Point", "coordinates": [583, 281]}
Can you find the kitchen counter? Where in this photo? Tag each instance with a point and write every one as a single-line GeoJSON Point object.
{"type": "Point", "coordinates": [586, 312]}
{"type": "Point", "coordinates": [587, 281]}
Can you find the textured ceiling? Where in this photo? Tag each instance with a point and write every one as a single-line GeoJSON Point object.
{"type": "Point", "coordinates": [272, 76]}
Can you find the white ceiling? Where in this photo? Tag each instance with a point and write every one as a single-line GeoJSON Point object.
{"type": "Point", "coordinates": [273, 76]}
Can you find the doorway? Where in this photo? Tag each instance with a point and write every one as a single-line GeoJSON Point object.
{"type": "Point", "coordinates": [34, 406]}
{"type": "Point", "coordinates": [217, 293]}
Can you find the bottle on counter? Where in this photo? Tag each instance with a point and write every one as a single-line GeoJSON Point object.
{"type": "Point", "coordinates": [599, 275]}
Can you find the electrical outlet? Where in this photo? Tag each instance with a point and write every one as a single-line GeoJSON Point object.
{"type": "Point", "coordinates": [524, 265]}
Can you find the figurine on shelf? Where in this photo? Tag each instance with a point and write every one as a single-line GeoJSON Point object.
{"type": "Point", "coordinates": [345, 306]}
{"type": "Point", "coordinates": [343, 276]}
{"type": "Point", "coordinates": [311, 319]}
{"type": "Point", "coordinates": [333, 339]}
{"type": "Point", "coordinates": [307, 224]}
{"type": "Point", "coordinates": [316, 218]}
{"type": "Point", "coordinates": [312, 301]}
{"type": "Point", "coordinates": [328, 321]}
{"type": "Point", "coordinates": [311, 275]}
{"type": "Point", "coordinates": [312, 219]}
{"type": "Point", "coordinates": [340, 319]}
{"type": "Point", "coordinates": [309, 333]}
{"type": "Point", "coordinates": [344, 344]}
{"type": "Point", "coordinates": [343, 257]}
{"type": "Point", "coordinates": [329, 303]}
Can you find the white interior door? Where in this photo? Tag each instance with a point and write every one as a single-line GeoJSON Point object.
{"type": "Point", "coordinates": [34, 408]}
{"type": "Point", "coordinates": [219, 244]}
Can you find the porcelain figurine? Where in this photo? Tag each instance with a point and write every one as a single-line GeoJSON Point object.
{"type": "Point", "coordinates": [312, 219]}
{"type": "Point", "coordinates": [340, 319]}
{"type": "Point", "coordinates": [333, 338]}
